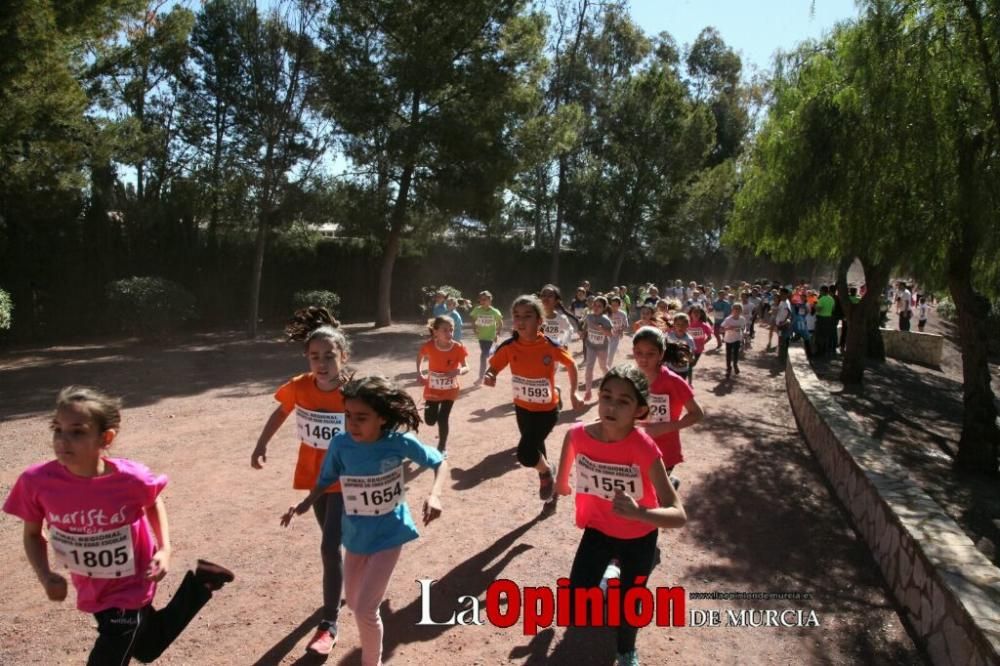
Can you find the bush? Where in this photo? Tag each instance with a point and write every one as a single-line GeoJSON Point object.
{"type": "Point", "coordinates": [464, 305]}
{"type": "Point", "coordinates": [317, 297]}
{"type": "Point", "coordinates": [150, 305]}
{"type": "Point", "coordinates": [946, 309]}
{"type": "Point", "coordinates": [6, 307]}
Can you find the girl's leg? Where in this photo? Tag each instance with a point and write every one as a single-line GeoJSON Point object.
{"type": "Point", "coordinates": [442, 419]}
{"type": "Point", "coordinates": [117, 631]}
{"type": "Point", "coordinates": [163, 626]}
{"type": "Point", "coordinates": [612, 350]}
{"type": "Point", "coordinates": [636, 560]}
{"type": "Point", "coordinates": [431, 413]}
{"type": "Point", "coordinates": [333, 561]}
{"type": "Point", "coordinates": [592, 556]}
{"type": "Point", "coordinates": [484, 357]}
{"type": "Point", "coordinates": [366, 579]}
{"type": "Point", "coordinates": [588, 376]}
{"type": "Point", "coordinates": [729, 356]}
{"type": "Point", "coordinates": [602, 359]}
{"type": "Point", "coordinates": [736, 356]}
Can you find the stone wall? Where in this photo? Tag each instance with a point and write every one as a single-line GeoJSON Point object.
{"type": "Point", "coordinates": [913, 347]}
{"type": "Point", "coordinates": [950, 592]}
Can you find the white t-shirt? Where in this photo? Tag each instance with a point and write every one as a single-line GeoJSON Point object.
{"type": "Point", "coordinates": [733, 328]}
{"type": "Point", "coordinates": [922, 310]}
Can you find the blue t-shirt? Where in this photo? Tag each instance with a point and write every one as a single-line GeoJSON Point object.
{"type": "Point", "coordinates": [439, 309]}
{"type": "Point", "coordinates": [723, 306]}
{"type": "Point", "coordinates": [364, 535]}
{"type": "Point", "coordinates": [457, 318]}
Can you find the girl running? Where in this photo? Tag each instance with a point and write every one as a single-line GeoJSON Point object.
{"type": "Point", "coordinates": [701, 332]}
{"type": "Point", "coordinates": [445, 362]}
{"type": "Point", "coordinates": [678, 335]}
{"type": "Point", "coordinates": [732, 330]}
{"type": "Point", "coordinates": [623, 493]}
{"type": "Point", "coordinates": [318, 402]}
{"type": "Point", "coordinates": [487, 322]}
{"type": "Point", "coordinates": [670, 396]}
{"type": "Point", "coordinates": [107, 524]}
{"type": "Point", "coordinates": [532, 358]}
{"type": "Point", "coordinates": [597, 330]}
{"type": "Point", "coordinates": [558, 324]}
{"type": "Point", "coordinates": [367, 460]}
{"type": "Point", "coordinates": [646, 313]}
{"type": "Point", "coordinates": [619, 324]}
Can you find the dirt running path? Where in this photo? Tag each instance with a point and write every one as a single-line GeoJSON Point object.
{"type": "Point", "coordinates": [761, 518]}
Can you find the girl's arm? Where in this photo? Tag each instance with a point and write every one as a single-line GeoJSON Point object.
{"type": "Point", "coordinates": [692, 414]}
{"type": "Point", "coordinates": [420, 362]}
{"type": "Point", "coordinates": [35, 548]}
{"type": "Point", "coordinates": [574, 381]}
{"type": "Point", "coordinates": [432, 505]}
{"type": "Point", "coordinates": [670, 513]}
{"type": "Point", "coordinates": [565, 462]}
{"type": "Point", "coordinates": [302, 506]}
{"type": "Point", "coordinates": [160, 564]}
{"type": "Point", "coordinates": [260, 451]}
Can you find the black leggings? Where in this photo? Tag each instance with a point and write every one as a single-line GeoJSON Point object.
{"type": "Point", "coordinates": [635, 558]}
{"type": "Point", "coordinates": [438, 412]}
{"type": "Point", "coordinates": [146, 632]}
{"type": "Point", "coordinates": [329, 512]}
{"type": "Point", "coordinates": [733, 354]}
{"type": "Point", "coordinates": [534, 428]}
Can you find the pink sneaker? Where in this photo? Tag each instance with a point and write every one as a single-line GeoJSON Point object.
{"type": "Point", "coordinates": [322, 642]}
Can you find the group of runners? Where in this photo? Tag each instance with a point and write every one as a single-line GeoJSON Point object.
{"type": "Point", "coordinates": [107, 522]}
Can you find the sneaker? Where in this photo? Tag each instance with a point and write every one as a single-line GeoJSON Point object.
{"type": "Point", "coordinates": [612, 571]}
{"type": "Point", "coordinates": [323, 641]}
{"type": "Point", "coordinates": [212, 575]}
{"type": "Point", "coordinates": [630, 658]}
{"type": "Point", "coordinates": [547, 484]}
{"type": "Point", "coordinates": [736, 369]}
{"type": "Point", "coordinates": [675, 482]}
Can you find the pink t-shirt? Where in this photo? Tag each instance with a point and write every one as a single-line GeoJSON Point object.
{"type": "Point", "coordinates": [99, 523]}
{"type": "Point", "coordinates": [671, 387]}
{"type": "Point", "coordinates": [701, 333]}
{"type": "Point", "coordinates": [637, 452]}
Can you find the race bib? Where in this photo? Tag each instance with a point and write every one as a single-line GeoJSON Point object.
{"type": "Point", "coordinates": [596, 337]}
{"type": "Point", "coordinates": [659, 407]}
{"type": "Point", "coordinates": [101, 555]}
{"type": "Point", "coordinates": [603, 479]}
{"type": "Point", "coordinates": [440, 381]}
{"type": "Point", "coordinates": [532, 390]}
{"type": "Point", "coordinates": [317, 428]}
{"type": "Point", "coordinates": [485, 320]}
{"type": "Point", "coordinates": [373, 495]}
{"type": "Point", "coordinates": [550, 329]}
{"type": "Point", "coordinates": [696, 333]}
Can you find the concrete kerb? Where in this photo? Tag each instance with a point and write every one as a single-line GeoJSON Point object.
{"type": "Point", "coordinates": [949, 591]}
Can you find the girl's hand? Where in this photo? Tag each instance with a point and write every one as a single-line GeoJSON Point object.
{"type": "Point", "coordinates": [55, 586]}
{"type": "Point", "coordinates": [293, 511]}
{"type": "Point", "coordinates": [489, 380]}
{"type": "Point", "coordinates": [432, 509]}
{"type": "Point", "coordinates": [625, 505]}
{"type": "Point", "coordinates": [576, 401]}
{"type": "Point", "coordinates": [259, 456]}
{"type": "Point", "coordinates": [563, 489]}
{"type": "Point", "coordinates": [424, 379]}
{"type": "Point", "coordinates": [158, 566]}
{"type": "Point", "coordinates": [454, 373]}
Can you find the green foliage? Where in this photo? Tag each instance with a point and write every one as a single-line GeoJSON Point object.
{"type": "Point", "coordinates": [150, 306]}
{"type": "Point", "coordinates": [6, 308]}
{"type": "Point", "coordinates": [946, 309]}
{"type": "Point", "coordinates": [317, 297]}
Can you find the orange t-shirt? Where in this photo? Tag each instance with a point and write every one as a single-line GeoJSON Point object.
{"type": "Point", "coordinates": [319, 416]}
{"type": "Point", "coordinates": [439, 387]}
{"type": "Point", "coordinates": [533, 369]}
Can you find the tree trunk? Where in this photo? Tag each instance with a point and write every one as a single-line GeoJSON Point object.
{"type": "Point", "coordinates": [258, 270]}
{"type": "Point", "coordinates": [860, 317]}
{"type": "Point", "coordinates": [560, 211]}
{"type": "Point", "coordinates": [979, 444]}
{"type": "Point", "coordinates": [383, 308]}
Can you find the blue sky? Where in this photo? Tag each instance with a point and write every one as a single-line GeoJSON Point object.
{"type": "Point", "coordinates": [754, 29]}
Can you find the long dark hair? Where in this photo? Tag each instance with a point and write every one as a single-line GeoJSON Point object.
{"type": "Point", "coordinates": [387, 399]}
{"type": "Point", "coordinates": [559, 304]}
